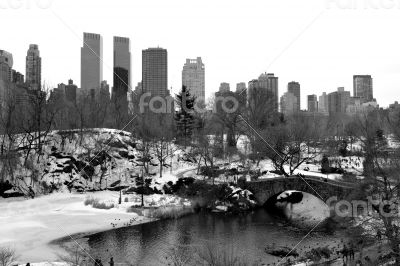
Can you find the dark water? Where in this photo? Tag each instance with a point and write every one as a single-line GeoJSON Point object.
{"type": "Point", "coordinates": [161, 242]}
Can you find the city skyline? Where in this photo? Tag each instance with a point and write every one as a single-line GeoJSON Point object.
{"type": "Point", "coordinates": [155, 74]}
{"type": "Point", "coordinates": [311, 53]}
{"type": "Point", "coordinates": [93, 47]}
{"type": "Point", "coordinates": [183, 132]}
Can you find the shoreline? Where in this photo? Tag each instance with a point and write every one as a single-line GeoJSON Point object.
{"type": "Point", "coordinates": [33, 227]}
{"type": "Point", "coordinates": [66, 240]}
{"type": "Point", "coordinates": [70, 242]}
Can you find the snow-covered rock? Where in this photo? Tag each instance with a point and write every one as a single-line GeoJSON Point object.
{"type": "Point", "coordinates": [237, 199]}
{"type": "Point", "coordinates": [93, 159]}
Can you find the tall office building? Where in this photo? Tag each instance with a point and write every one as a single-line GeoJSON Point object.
{"type": "Point", "coordinates": [338, 101]}
{"type": "Point", "coordinates": [122, 63]}
{"type": "Point", "coordinates": [122, 73]}
{"type": "Point", "coordinates": [224, 87]}
{"type": "Point", "coordinates": [6, 64]}
{"type": "Point", "coordinates": [294, 88]}
{"type": "Point", "coordinates": [312, 103]}
{"type": "Point", "coordinates": [70, 91]}
{"type": "Point", "coordinates": [289, 103]}
{"type": "Point", "coordinates": [155, 71]}
{"type": "Point", "coordinates": [66, 92]}
{"type": "Point", "coordinates": [362, 87]}
{"type": "Point", "coordinates": [33, 67]}
{"type": "Point", "coordinates": [269, 83]}
{"type": "Point", "coordinates": [323, 104]}
{"type": "Point", "coordinates": [91, 63]}
{"type": "Point", "coordinates": [17, 77]}
{"type": "Point", "coordinates": [12, 87]}
{"type": "Point", "coordinates": [241, 87]}
{"type": "Point", "coordinates": [193, 77]}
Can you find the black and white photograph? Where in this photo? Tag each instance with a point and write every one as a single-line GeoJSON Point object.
{"type": "Point", "coordinates": [210, 133]}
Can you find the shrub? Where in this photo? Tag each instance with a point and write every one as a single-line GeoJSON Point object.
{"type": "Point", "coordinates": [172, 212]}
{"type": "Point", "coordinates": [97, 204]}
{"type": "Point", "coordinates": [181, 183]}
{"type": "Point", "coordinates": [88, 201]}
{"type": "Point", "coordinates": [208, 171]}
{"type": "Point", "coordinates": [204, 194]}
{"type": "Point", "coordinates": [165, 212]}
{"type": "Point", "coordinates": [325, 168]}
{"type": "Point", "coordinates": [213, 255]}
{"type": "Point", "coordinates": [316, 254]}
{"type": "Point", "coordinates": [75, 256]}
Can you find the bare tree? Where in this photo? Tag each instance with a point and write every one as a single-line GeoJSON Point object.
{"type": "Point", "coordinates": [207, 147]}
{"type": "Point", "coordinates": [259, 114]}
{"type": "Point", "coordinates": [11, 119]}
{"type": "Point", "coordinates": [162, 133]}
{"type": "Point", "coordinates": [7, 256]}
{"type": "Point", "coordinates": [381, 170]}
{"type": "Point", "coordinates": [76, 257]}
{"type": "Point", "coordinates": [228, 109]}
{"type": "Point", "coordinates": [285, 144]}
{"type": "Point", "coordinates": [119, 110]}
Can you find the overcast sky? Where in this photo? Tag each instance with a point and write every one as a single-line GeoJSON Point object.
{"type": "Point", "coordinates": [319, 43]}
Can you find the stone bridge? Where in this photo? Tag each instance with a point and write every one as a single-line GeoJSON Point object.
{"type": "Point", "coordinates": [319, 187]}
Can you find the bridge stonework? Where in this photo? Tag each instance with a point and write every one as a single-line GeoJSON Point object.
{"type": "Point", "coordinates": [323, 189]}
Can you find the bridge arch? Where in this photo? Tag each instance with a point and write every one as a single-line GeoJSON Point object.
{"type": "Point", "coordinates": [320, 187]}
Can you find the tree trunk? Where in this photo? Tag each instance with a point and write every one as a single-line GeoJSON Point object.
{"type": "Point", "coordinates": [161, 159]}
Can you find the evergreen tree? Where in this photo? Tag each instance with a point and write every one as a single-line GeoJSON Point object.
{"type": "Point", "coordinates": [184, 117]}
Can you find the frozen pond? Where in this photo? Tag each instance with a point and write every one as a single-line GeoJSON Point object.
{"type": "Point", "coordinates": [247, 235]}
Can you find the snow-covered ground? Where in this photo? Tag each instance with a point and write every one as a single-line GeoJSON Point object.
{"type": "Point", "coordinates": [266, 168]}
{"type": "Point", "coordinates": [30, 225]}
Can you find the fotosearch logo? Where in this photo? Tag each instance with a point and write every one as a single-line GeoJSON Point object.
{"type": "Point", "coordinates": [163, 105]}
{"type": "Point", "coordinates": [371, 206]}
{"type": "Point", "coordinates": [363, 4]}
{"type": "Point", "coordinates": [25, 4]}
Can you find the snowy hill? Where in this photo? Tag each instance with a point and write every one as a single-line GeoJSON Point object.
{"type": "Point", "coordinates": [89, 160]}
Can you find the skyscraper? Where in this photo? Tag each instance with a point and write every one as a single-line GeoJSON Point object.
{"type": "Point", "coordinates": [294, 88]}
{"type": "Point", "coordinates": [122, 73]}
{"type": "Point", "coordinates": [91, 62]}
{"type": "Point", "coordinates": [266, 84]}
{"type": "Point", "coordinates": [155, 71]}
{"type": "Point", "coordinates": [362, 87]}
{"type": "Point", "coordinates": [122, 63]}
{"type": "Point", "coordinates": [193, 77]}
{"type": "Point", "coordinates": [323, 104]}
{"type": "Point", "coordinates": [312, 103]}
{"type": "Point", "coordinates": [33, 67]}
{"type": "Point", "coordinates": [241, 87]}
{"type": "Point", "coordinates": [289, 103]}
{"type": "Point", "coordinates": [6, 64]}
{"type": "Point", "coordinates": [17, 77]}
{"type": "Point", "coordinates": [70, 91]}
{"type": "Point", "coordinates": [269, 83]}
{"type": "Point", "coordinates": [224, 87]}
{"type": "Point", "coordinates": [338, 101]}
